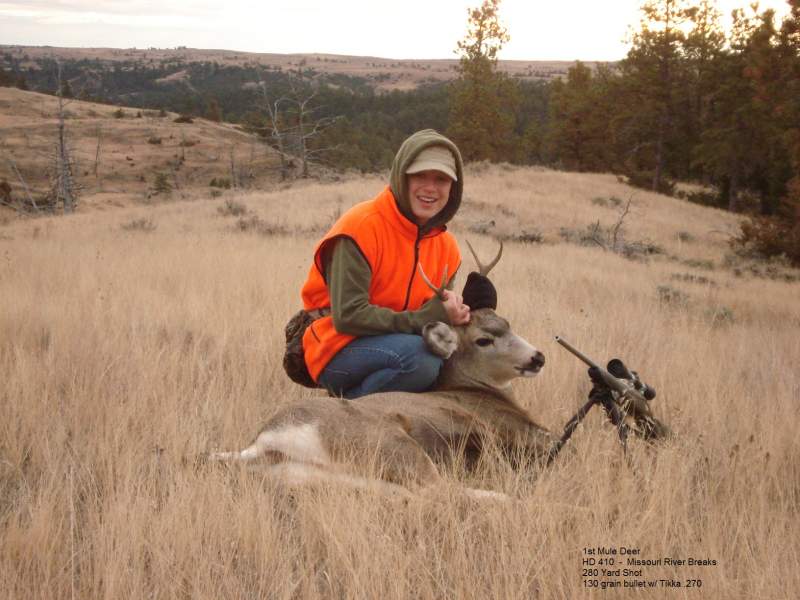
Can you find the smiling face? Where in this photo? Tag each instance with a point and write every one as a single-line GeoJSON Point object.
{"type": "Point", "coordinates": [428, 193]}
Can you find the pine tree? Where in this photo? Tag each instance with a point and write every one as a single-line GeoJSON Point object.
{"type": "Point", "coordinates": [483, 100]}
{"type": "Point", "coordinates": [653, 72]}
{"type": "Point", "coordinates": [577, 134]}
{"type": "Point", "coordinates": [703, 47]}
{"type": "Point", "coordinates": [741, 145]}
{"type": "Point", "coordinates": [776, 78]}
{"type": "Point", "coordinates": [214, 112]}
{"type": "Point", "coordinates": [66, 89]}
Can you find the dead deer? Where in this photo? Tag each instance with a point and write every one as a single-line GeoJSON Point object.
{"type": "Point", "coordinates": [401, 436]}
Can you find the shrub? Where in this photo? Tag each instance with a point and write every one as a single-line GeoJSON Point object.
{"type": "Point", "coordinates": [231, 208]}
{"type": "Point", "coordinates": [777, 268]}
{"type": "Point", "coordinates": [611, 202]}
{"type": "Point", "coordinates": [187, 143]}
{"type": "Point", "coordinates": [771, 236]}
{"type": "Point", "coordinates": [143, 224]}
{"type": "Point", "coordinates": [161, 184]}
{"type": "Point", "coordinates": [685, 236]}
{"type": "Point", "coordinates": [183, 119]}
{"type": "Point", "coordinates": [254, 224]}
{"type": "Point", "coordinates": [154, 140]}
{"type": "Point", "coordinates": [482, 226]}
{"type": "Point", "coordinates": [670, 295]}
{"type": "Point", "coordinates": [640, 248]}
{"type": "Point", "coordinates": [119, 114]}
{"type": "Point", "coordinates": [719, 316]}
{"type": "Point", "coordinates": [691, 278]}
{"type": "Point", "coordinates": [524, 237]}
{"type": "Point", "coordinates": [221, 182]}
{"type": "Point", "coordinates": [699, 263]}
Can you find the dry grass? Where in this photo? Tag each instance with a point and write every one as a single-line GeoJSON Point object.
{"type": "Point", "coordinates": [124, 351]}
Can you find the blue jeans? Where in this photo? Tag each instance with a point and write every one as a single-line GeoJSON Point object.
{"type": "Point", "coordinates": [398, 362]}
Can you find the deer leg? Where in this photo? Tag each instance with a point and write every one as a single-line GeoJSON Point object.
{"type": "Point", "coordinates": [298, 475]}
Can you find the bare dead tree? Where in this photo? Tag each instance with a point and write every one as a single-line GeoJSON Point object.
{"type": "Point", "coordinates": [233, 167]}
{"type": "Point", "coordinates": [292, 126]}
{"type": "Point", "coordinates": [274, 128]}
{"type": "Point", "coordinates": [612, 238]}
{"type": "Point", "coordinates": [97, 150]}
{"type": "Point", "coordinates": [308, 128]}
{"type": "Point", "coordinates": [63, 187]}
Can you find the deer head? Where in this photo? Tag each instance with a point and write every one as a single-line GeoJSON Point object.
{"type": "Point", "coordinates": [485, 351]}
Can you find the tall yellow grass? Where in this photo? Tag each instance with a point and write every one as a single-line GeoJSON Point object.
{"type": "Point", "coordinates": [124, 351]}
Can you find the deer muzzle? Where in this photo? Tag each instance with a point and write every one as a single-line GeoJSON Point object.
{"type": "Point", "coordinates": [533, 366]}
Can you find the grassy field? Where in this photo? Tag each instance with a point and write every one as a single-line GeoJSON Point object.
{"type": "Point", "coordinates": [132, 338]}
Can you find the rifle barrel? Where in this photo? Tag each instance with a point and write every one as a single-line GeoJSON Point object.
{"type": "Point", "coordinates": [576, 352]}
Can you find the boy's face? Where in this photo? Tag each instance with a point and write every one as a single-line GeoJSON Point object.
{"type": "Point", "coordinates": [428, 193]}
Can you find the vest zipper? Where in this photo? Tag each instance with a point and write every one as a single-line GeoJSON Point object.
{"type": "Point", "coordinates": [413, 271]}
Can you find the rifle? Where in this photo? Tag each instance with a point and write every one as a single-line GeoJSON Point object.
{"type": "Point", "coordinates": [629, 393]}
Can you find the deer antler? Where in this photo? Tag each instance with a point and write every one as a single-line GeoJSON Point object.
{"type": "Point", "coordinates": [438, 291]}
{"type": "Point", "coordinates": [484, 269]}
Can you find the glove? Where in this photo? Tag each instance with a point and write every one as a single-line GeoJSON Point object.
{"type": "Point", "coordinates": [479, 292]}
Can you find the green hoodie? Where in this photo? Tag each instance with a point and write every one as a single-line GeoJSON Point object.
{"type": "Point", "coordinates": [409, 150]}
{"type": "Point", "coordinates": [348, 274]}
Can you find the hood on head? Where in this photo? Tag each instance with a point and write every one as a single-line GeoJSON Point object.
{"type": "Point", "coordinates": [408, 151]}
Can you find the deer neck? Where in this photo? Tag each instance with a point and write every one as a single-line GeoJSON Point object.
{"type": "Point", "coordinates": [456, 376]}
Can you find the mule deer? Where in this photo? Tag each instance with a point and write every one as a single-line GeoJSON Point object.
{"type": "Point", "coordinates": [401, 436]}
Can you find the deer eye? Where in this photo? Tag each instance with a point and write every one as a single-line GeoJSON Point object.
{"type": "Point", "coordinates": [483, 342]}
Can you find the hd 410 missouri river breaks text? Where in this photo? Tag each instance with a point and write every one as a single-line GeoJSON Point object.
{"type": "Point", "coordinates": [609, 567]}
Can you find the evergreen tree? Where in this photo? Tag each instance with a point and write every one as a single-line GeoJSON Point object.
{"type": "Point", "coordinates": [483, 100]}
{"type": "Point", "coordinates": [578, 125]}
{"type": "Point", "coordinates": [740, 146]}
{"type": "Point", "coordinates": [214, 112]}
{"type": "Point", "coordinates": [703, 47]}
{"type": "Point", "coordinates": [654, 76]}
{"type": "Point", "coordinates": [778, 233]}
{"type": "Point", "coordinates": [66, 89]}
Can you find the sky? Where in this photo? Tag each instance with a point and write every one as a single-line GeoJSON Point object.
{"type": "Point", "coordinates": [539, 29]}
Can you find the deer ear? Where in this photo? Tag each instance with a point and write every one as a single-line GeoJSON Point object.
{"type": "Point", "coordinates": [440, 338]}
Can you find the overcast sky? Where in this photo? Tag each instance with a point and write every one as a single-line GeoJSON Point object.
{"type": "Point", "coordinates": [540, 30]}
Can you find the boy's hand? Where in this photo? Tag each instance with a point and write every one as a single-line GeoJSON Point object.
{"type": "Point", "coordinates": [457, 311]}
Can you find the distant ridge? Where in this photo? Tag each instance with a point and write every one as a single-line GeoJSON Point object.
{"type": "Point", "coordinates": [383, 74]}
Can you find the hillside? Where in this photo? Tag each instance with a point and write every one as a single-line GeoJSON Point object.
{"type": "Point", "coordinates": [381, 74]}
{"type": "Point", "coordinates": [119, 151]}
{"type": "Point", "coordinates": [133, 339]}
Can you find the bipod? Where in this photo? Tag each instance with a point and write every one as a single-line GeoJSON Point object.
{"type": "Point", "coordinates": [613, 413]}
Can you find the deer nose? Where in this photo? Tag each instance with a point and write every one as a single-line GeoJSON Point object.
{"type": "Point", "coordinates": [538, 360]}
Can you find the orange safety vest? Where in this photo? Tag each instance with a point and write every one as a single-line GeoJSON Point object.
{"type": "Point", "coordinates": [388, 241]}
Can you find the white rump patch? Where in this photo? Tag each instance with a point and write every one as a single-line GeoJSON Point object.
{"type": "Point", "coordinates": [301, 443]}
